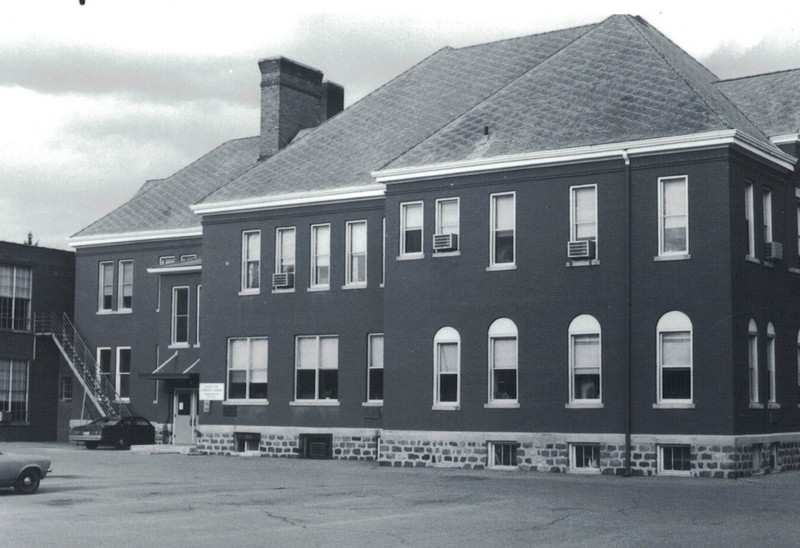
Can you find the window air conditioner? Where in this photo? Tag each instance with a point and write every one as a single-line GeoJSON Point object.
{"type": "Point", "coordinates": [773, 251]}
{"type": "Point", "coordinates": [445, 242]}
{"type": "Point", "coordinates": [581, 249]}
{"type": "Point", "coordinates": [283, 280]}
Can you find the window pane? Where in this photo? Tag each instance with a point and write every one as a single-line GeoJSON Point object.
{"type": "Point", "coordinates": [586, 352]}
{"type": "Point", "coordinates": [328, 384]}
{"type": "Point", "coordinates": [448, 217]}
{"type": "Point", "coordinates": [6, 281]}
{"type": "Point", "coordinates": [676, 383]}
{"type": "Point", "coordinates": [504, 212]}
{"type": "Point", "coordinates": [504, 246]}
{"type": "Point", "coordinates": [674, 197]}
{"type": "Point", "coordinates": [329, 352]}
{"type": "Point", "coordinates": [675, 238]}
{"type": "Point", "coordinates": [237, 384]}
{"type": "Point", "coordinates": [306, 389]}
{"type": "Point", "coordinates": [587, 386]}
{"type": "Point", "coordinates": [448, 388]}
{"type": "Point", "coordinates": [505, 353]}
{"type": "Point", "coordinates": [23, 283]}
{"type": "Point", "coordinates": [253, 245]}
{"type": "Point", "coordinates": [448, 357]}
{"type": "Point", "coordinates": [505, 384]}
{"type": "Point", "coordinates": [306, 353]}
{"type": "Point", "coordinates": [376, 351]}
{"type": "Point", "coordinates": [258, 351]}
{"type": "Point", "coordinates": [358, 237]}
{"type": "Point", "coordinates": [124, 365]}
{"type": "Point", "coordinates": [413, 241]}
{"type": "Point", "coordinates": [412, 216]}
{"type": "Point", "coordinates": [375, 384]}
{"type": "Point", "coordinates": [182, 301]}
{"type": "Point", "coordinates": [676, 348]}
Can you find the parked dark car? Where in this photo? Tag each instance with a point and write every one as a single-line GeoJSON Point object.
{"type": "Point", "coordinates": [121, 432]}
{"type": "Point", "coordinates": [23, 472]}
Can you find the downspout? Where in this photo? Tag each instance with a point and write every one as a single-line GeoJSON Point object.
{"type": "Point", "coordinates": [628, 318]}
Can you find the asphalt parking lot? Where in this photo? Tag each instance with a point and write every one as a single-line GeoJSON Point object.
{"type": "Point", "coordinates": [117, 498]}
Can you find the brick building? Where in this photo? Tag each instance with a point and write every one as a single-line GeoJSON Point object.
{"type": "Point", "coordinates": [573, 251]}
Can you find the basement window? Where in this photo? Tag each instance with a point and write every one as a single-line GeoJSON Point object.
{"type": "Point", "coordinates": [584, 457]}
{"type": "Point", "coordinates": [503, 454]}
{"type": "Point", "coordinates": [316, 446]}
{"type": "Point", "coordinates": [246, 441]}
{"type": "Point", "coordinates": [674, 460]}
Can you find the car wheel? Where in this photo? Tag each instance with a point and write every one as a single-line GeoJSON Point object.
{"type": "Point", "coordinates": [27, 482]}
{"type": "Point", "coordinates": [91, 445]}
{"type": "Point", "coordinates": [122, 443]}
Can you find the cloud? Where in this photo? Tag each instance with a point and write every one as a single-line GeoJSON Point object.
{"type": "Point", "coordinates": [769, 55]}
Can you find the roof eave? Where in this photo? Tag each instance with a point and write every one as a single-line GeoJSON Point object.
{"type": "Point", "coordinates": [131, 237]}
{"type": "Point", "coordinates": [589, 153]}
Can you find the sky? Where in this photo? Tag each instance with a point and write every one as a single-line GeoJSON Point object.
{"type": "Point", "coordinates": [96, 99]}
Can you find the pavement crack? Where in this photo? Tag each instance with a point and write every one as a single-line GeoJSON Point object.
{"type": "Point", "coordinates": [635, 506]}
{"type": "Point", "coordinates": [283, 519]}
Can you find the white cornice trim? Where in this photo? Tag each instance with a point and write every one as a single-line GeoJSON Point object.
{"type": "Point", "coordinates": [173, 270]}
{"type": "Point", "coordinates": [129, 237]}
{"type": "Point", "coordinates": [698, 141]}
{"type": "Point", "coordinates": [348, 194]}
{"type": "Point", "coordinates": [786, 139]}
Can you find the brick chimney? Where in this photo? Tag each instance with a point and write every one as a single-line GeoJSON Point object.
{"type": "Point", "coordinates": [293, 97]}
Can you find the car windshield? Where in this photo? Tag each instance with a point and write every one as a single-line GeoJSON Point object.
{"type": "Point", "coordinates": [110, 421]}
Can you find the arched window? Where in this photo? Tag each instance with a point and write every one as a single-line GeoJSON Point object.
{"type": "Point", "coordinates": [752, 359]}
{"type": "Point", "coordinates": [446, 368]}
{"type": "Point", "coordinates": [674, 340]}
{"type": "Point", "coordinates": [773, 395]}
{"type": "Point", "coordinates": [503, 362]}
{"type": "Point", "coordinates": [584, 360]}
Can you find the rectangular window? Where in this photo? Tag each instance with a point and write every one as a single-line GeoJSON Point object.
{"type": "Point", "coordinates": [749, 209]}
{"type": "Point", "coordinates": [180, 315]}
{"type": "Point", "coordinates": [14, 390]}
{"type": "Point", "coordinates": [197, 329]}
{"type": "Point", "coordinates": [356, 270]}
{"type": "Point", "coordinates": [247, 368]}
{"type": "Point", "coordinates": [320, 256]}
{"type": "Point", "coordinates": [503, 364]}
{"type": "Point", "coordinates": [125, 285]}
{"type": "Point", "coordinates": [105, 298]}
{"type": "Point", "coordinates": [447, 373]}
{"type": "Point", "coordinates": [583, 213]}
{"type": "Point", "coordinates": [66, 388]}
{"type": "Point", "coordinates": [383, 251]}
{"type": "Point", "coordinates": [767, 205]}
{"type": "Point", "coordinates": [123, 384]}
{"type": "Point", "coordinates": [502, 229]}
{"type": "Point", "coordinates": [502, 454]}
{"type": "Point", "coordinates": [585, 457]}
{"type": "Point", "coordinates": [284, 250]}
{"type": "Point", "coordinates": [673, 213]}
{"type": "Point", "coordinates": [675, 353]}
{"type": "Point", "coordinates": [674, 460]}
{"type": "Point", "coordinates": [15, 298]}
{"type": "Point", "coordinates": [168, 259]}
{"type": "Point", "coordinates": [447, 225]}
{"type": "Point", "coordinates": [375, 368]}
{"type": "Point", "coordinates": [251, 261]}
{"type": "Point", "coordinates": [773, 394]}
{"type": "Point", "coordinates": [585, 357]}
{"type": "Point", "coordinates": [317, 368]}
{"type": "Point", "coordinates": [189, 257]}
{"type": "Point", "coordinates": [411, 224]}
{"type": "Point", "coordinates": [752, 361]}
{"type": "Point", "coordinates": [104, 365]}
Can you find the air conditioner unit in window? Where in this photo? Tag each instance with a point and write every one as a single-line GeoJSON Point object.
{"type": "Point", "coordinates": [445, 242]}
{"type": "Point", "coordinates": [581, 249]}
{"type": "Point", "coordinates": [283, 280]}
{"type": "Point", "coordinates": [773, 251]}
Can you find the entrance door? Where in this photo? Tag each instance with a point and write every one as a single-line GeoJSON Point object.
{"type": "Point", "coordinates": [184, 416]}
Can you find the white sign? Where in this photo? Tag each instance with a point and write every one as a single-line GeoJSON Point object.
{"type": "Point", "coordinates": [212, 391]}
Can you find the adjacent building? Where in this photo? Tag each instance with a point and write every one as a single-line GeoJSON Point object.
{"type": "Point", "coordinates": [573, 251]}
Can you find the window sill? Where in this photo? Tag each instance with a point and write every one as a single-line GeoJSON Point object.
{"type": "Point", "coordinates": [446, 407]}
{"type": "Point", "coordinates": [314, 403]}
{"type": "Point", "coordinates": [751, 259]}
{"type": "Point", "coordinates": [447, 253]}
{"type": "Point", "coordinates": [318, 288]}
{"type": "Point", "coordinates": [501, 405]}
{"type": "Point", "coordinates": [756, 405]}
{"type": "Point", "coordinates": [584, 405]}
{"type": "Point", "coordinates": [354, 286]}
{"type": "Point", "coordinates": [245, 402]}
{"type": "Point", "coordinates": [676, 405]}
{"type": "Point", "coordinates": [247, 292]}
{"type": "Point", "coordinates": [411, 257]}
{"type": "Point", "coordinates": [178, 346]}
{"type": "Point", "coordinates": [497, 267]}
{"type": "Point", "coordinates": [288, 290]}
{"type": "Point", "coordinates": [676, 257]}
{"type": "Point", "coordinates": [376, 403]}
{"type": "Point", "coordinates": [773, 405]}
{"type": "Point", "coordinates": [588, 471]}
{"type": "Point", "coordinates": [674, 473]}
{"type": "Point", "coordinates": [114, 312]}
{"type": "Point", "coordinates": [196, 345]}
{"type": "Point", "coordinates": [794, 270]}
{"type": "Point", "coordinates": [592, 262]}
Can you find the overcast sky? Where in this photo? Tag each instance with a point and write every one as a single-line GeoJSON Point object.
{"type": "Point", "coordinates": [97, 99]}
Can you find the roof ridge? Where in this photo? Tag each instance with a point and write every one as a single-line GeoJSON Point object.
{"type": "Point", "coordinates": [501, 88]}
{"type": "Point", "coordinates": [772, 73]}
{"type": "Point", "coordinates": [521, 37]}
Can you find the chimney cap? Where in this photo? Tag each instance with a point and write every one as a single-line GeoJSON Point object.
{"type": "Point", "coordinates": [274, 64]}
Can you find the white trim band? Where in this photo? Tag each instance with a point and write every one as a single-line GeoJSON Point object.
{"type": "Point", "coordinates": [127, 237]}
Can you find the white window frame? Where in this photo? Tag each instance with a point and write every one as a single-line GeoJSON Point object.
{"type": "Point", "coordinates": [576, 466]}
{"type": "Point", "coordinates": [249, 372]}
{"type": "Point", "coordinates": [102, 287]}
{"type": "Point", "coordinates": [15, 274]}
{"type": "Point", "coordinates": [99, 362]}
{"type": "Point", "coordinates": [197, 321]}
{"type": "Point", "coordinates": [749, 215]}
{"type": "Point", "coordinates": [493, 265]}
{"type": "Point", "coordinates": [284, 263]}
{"type": "Point", "coordinates": [66, 389]}
{"type": "Point", "coordinates": [446, 336]}
{"type": "Point", "coordinates": [573, 223]}
{"type": "Point", "coordinates": [247, 260]}
{"type": "Point", "coordinates": [662, 216]}
{"type": "Point", "coordinates": [404, 253]}
{"type": "Point", "coordinates": [27, 364]}
{"type": "Point", "coordinates": [316, 400]}
{"type": "Point", "coordinates": [349, 254]}
{"type": "Point", "coordinates": [118, 374]}
{"type": "Point", "coordinates": [372, 366]}
{"type": "Point", "coordinates": [383, 253]}
{"type": "Point", "coordinates": [441, 229]}
{"type": "Point", "coordinates": [674, 322]}
{"type": "Point", "coordinates": [773, 393]}
{"type": "Point", "coordinates": [314, 277]}
{"type": "Point", "coordinates": [189, 257]}
{"type": "Point", "coordinates": [492, 456]}
{"type": "Point", "coordinates": [660, 457]}
{"type": "Point", "coordinates": [174, 342]}
{"type": "Point", "coordinates": [123, 264]}
{"type": "Point", "coordinates": [752, 363]}
{"type": "Point", "coordinates": [581, 326]}
{"type": "Point", "coordinates": [166, 259]}
{"type": "Point", "coordinates": [766, 203]}
{"type": "Point", "coordinates": [502, 329]}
